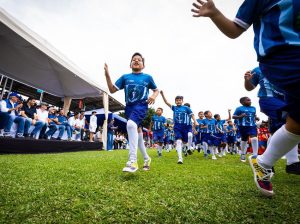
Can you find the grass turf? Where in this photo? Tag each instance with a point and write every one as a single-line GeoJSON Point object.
{"type": "Point", "coordinates": [89, 187]}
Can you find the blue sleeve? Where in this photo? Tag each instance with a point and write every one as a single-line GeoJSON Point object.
{"type": "Point", "coordinates": [120, 83]}
{"type": "Point", "coordinates": [173, 107]}
{"type": "Point", "coordinates": [164, 120]}
{"type": "Point", "coordinates": [189, 111]}
{"type": "Point", "coordinates": [249, 12]}
{"type": "Point", "coordinates": [237, 111]}
{"type": "Point", "coordinates": [152, 84]}
{"type": "Point", "coordinates": [256, 76]}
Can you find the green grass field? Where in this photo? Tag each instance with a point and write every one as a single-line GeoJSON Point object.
{"type": "Point", "coordinates": [89, 187]}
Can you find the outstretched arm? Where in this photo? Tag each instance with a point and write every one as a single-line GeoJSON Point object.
{"type": "Point", "coordinates": [195, 121]}
{"type": "Point", "coordinates": [229, 115]}
{"type": "Point", "coordinates": [111, 87]}
{"type": "Point", "coordinates": [165, 100]}
{"type": "Point", "coordinates": [207, 8]}
{"type": "Point", "coordinates": [248, 84]}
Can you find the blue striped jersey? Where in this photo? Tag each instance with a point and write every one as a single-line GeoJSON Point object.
{"type": "Point", "coordinates": [276, 23]}
{"type": "Point", "coordinates": [249, 119]}
{"type": "Point", "coordinates": [220, 125]}
{"type": "Point", "coordinates": [211, 125]}
{"type": "Point", "coordinates": [266, 89]}
{"type": "Point", "coordinates": [158, 122]}
{"type": "Point", "coordinates": [182, 115]}
{"type": "Point", "coordinates": [198, 128]}
{"type": "Point", "coordinates": [230, 131]}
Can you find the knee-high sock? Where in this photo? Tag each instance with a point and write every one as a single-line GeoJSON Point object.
{"type": "Point", "coordinates": [244, 147]}
{"type": "Point", "coordinates": [254, 143]}
{"type": "Point", "coordinates": [292, 156]}
{"type": "Point", "coordinates": [133, 140]}
{"type": "Point", "coordinates": [159, 148]}
{"type": "Point", "coordinates": [205, 146]}
{"type": "Point", "coordinates": [142, 147]}
{"type": "Point", "coordinates": [212, 150]}
{"type": "Point", "coordinates": [190, 140]}
{"type": "Point", "coordinates": [281, 143]}
{"type": "Point", "coordinates": [179, 148]}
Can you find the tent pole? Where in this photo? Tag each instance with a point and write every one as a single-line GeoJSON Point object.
{"type": "Point", "coordinates": [3, 89]}
{"type": "Point", "coordinates": [11, 84]}
{"type": "Point", "coordinates": [104, 127]}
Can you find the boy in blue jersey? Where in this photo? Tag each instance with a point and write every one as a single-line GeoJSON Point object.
{"type": "Point", "coordinates": [221, 133]}
{"type": "Point", "coordinates": [246, 118]}
{"type": "Point", "coordinates": [136, 86]}
{"type": "Point", "coordinates": [181, 117]}
{"type": "Point", "coordinates": [276, 26]}
{"type": "Point", "coordinates": [199, 132]}
{"type": "Point", "coordinates": [231, 137]}
{"type": "Point", "coordinates": [187, 149]}
{"type": "Point", "coordinates": [157, 125]}
{"type": "Point", "coordinates": [272, 104]}
{"type": "Point", "coordinates": [209, 136]}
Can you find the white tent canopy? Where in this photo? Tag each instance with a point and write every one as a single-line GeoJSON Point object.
{"type": "Point", "coordinates": [27, 58]}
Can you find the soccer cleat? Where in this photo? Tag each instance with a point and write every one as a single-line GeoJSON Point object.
{"type": "Point", "coordinates": [130, 167]}
{"type": "Point", "coordinates": [262, 177]}
{"type": "Point", "coordinates": [180, 161]}
{"type": "Point", "coordinates": [214, 157]}
{"type": "Point", "coordinates": [293, 168]}
{"type": "Point", "coordinates": [189, 152]}
{"type": "Point", "coordinates": [243, 158]}
{"type": "Point", "coordinates": [159, 154]}
{"type": "Point", "coordinates": [205, 156]}
{"type": "Point", "coordinates": [147, 163]}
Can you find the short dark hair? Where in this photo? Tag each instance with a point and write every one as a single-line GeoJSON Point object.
{"type": "Point", "coordinates": [206, 112]}
{"type": "Point", "coordinates": [76, 113]}
{"type": "Point", "coordinates": [216, 115]}
{"type": "Point", "coordinates": [160, 108]}
{"type": "Point", "coordinates": [187, 104]}
{"type": "Point", "coordinates": [179, 97]}
{"type": "Point", "coordinates": [242, 100]}
{"type": "Point", "coordinates": [138, 54]}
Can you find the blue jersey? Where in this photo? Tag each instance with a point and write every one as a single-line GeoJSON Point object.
{"type": "Point", "coordinates": [249, 119]}
{"type": "Point", "coordinates": [167, 133]}
{"type": "Point", "coordinates": [211, 125]}
{"type": "Point", "coordinates": [182, 115]}
{"type": "Point", "coordinates": [52, 116]}
{"type": "Point", "coordinates": [230, 131]}
{"type": "Point", "coordinates": [158, 123]}
{"type": "Point", "coordinates": [136, 87]}
{"type": "Point", "coordinates": [275, 23]}
{"type": "Point", "coordinates": [198, 128]}
{"type": "Point", "coordinates": [266, 89]}
{"type": "Point", "coordinates": [220, 125]}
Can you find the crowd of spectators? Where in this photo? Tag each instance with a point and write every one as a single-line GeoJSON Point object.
{"type": "Point", "coordinates": [43, 121]}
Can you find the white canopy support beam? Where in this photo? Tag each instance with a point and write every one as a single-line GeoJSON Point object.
{"type": "Point", "coordinates": [104, 127]}
{"type": "Point", "coordinates": [67, 104]}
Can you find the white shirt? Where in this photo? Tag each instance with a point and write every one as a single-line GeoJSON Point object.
{"type": "Point", "coordinates": [42, 115]}
{"type": "Point", "coordinates": [80, 123]}
{"type": "Point", "coordinates": [3, 106]}
{"type": "Point", "coordinates": [71, 121]}
{"type": "Point", "coordinates": [93, 121]}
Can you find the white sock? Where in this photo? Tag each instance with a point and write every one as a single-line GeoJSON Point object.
{"type": "Point", "coordinates": [281, 143]}
{"type": "Point", "coordinates": [292, 156]}
{"type": "Point", "coordinates": [190, 139]}
{"type": "Point", "coordinates": [243, 147]}
{"type": "Point", "coordinates": [179, 149]}
{"type": "Point", "coordinates": [205, 146]}
{"type": "Point", "coordinates": [142, 147]}
{"type": "Point", "coordinates": [254, 143]}
{"type": "Point", "coordinates": [212, 150]}
{"type": "Point", "coordinates": [159, 148]}
{"type": "Point", "coordinates": [133, 140]}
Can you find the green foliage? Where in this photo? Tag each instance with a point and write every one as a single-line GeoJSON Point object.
{"type": "Point", "coordinates": [146, 122]}
{"type": "Point", "coordinates": [89, 187]}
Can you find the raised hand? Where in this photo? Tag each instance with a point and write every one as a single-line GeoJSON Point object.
{"type": "Point", "coordinates": [204, 8]}
{"type": "Point", "coordinates": [151, 100]}
{"type": "Point", "coordinates": [248, 76]}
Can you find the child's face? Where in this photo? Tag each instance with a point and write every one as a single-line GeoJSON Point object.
{"type": "Point", "coordinates": [218, 118]}
{"type": "Point", "coordinates": [201, 115]}
{"type": "Point", "coordinates": [159, 112]}
{"type": "Point", "coordinates": [137, 63]}
{"type": "Point", "coordinates": [178, 101]}
{"type": "Point", "coordinates": [247, 102]}
{"type": "Point", "coordinates": [209, 115]}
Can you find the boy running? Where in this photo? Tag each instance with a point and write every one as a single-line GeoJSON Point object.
{"type": "Point", "coordinates": [136, 86]}
{"type": "Point", "coordinates": [157, 125]}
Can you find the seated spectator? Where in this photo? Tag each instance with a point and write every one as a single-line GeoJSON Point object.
{"type": "Point", "coordinates": [63, 120]}
{"type": "Point", "coordinates": [29, 113]}
{"type": "Point", "coordinates": [53, 125]}
{"type": "Point", "coordinates": [42, 115]}
{"type": "Point", "coordinates": [75, 124]}
{"type": "Point", "coordinates": [9, 114]}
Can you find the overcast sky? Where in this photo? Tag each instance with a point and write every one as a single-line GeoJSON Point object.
{"type": "Point", "coordinates": [185, 55]}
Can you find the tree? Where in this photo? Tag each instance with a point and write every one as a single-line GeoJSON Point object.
{"type": "Point", "coordinates": [146, 122]}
